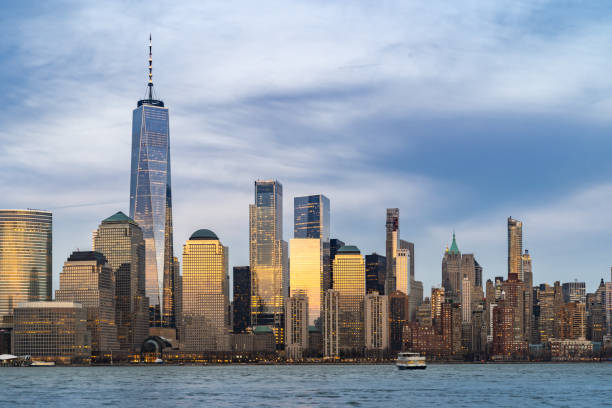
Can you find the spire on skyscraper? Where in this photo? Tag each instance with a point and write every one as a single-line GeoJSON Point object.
{"type": "Point", "coordinates": [454, 249]}
{"type": "Point", "coordinates": [150, 67]}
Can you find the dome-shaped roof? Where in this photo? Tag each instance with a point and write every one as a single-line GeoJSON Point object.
{"type": "Point", "coordinates": [348, 249]}
{"type": "Point", "coordinates": [203, 234]}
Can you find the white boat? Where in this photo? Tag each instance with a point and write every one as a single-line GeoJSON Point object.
{"type": "Point", "coordinates": [42, 363]}
{"type": "Point", "coordinates": [410, 361]}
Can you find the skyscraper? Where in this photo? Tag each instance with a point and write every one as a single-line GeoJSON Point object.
{"type": "Point", "coordinates": [205, 293]}
{"type": "Point", "coordinates": [242, 298]}
{"type": "Point", "coordinates": [392, 245]}
{"type": "Point", "coordinates": [451, 272]}
{"type": "Point", "coordinates": [515, 248]}
{"type": "Point", "coordinates": [25, 258]}
{"type": "Point", "coordinates": [402, 267]}
{"type": "Point", "coordinates": [574, 292]}
{"type": "Point", "coordinates": [376, 269]}
{"type": "Point", "coordinates": [331, 322]}
{"type": "Point", "coordinates": [307, 276]}
{"type": "Point", "coordinates": [376, 322]}
{"type": "Point", "coordinates": [151, 201]}
{"type": "Point", "coordinates": [311, 217]}
{"type": "Point", "coordinates": [120, 240]}
{"type": "Point", "coordinates": [268, 258]}
{"type": "Point", "coordinates": [528, 281]}
{"type": "Point", "coordinates": [349, 283]}
{"type": "Point", "coordinates": [87, 279]}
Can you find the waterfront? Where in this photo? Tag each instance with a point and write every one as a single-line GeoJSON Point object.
{"type": "Point", "coordinates": [502, 385]}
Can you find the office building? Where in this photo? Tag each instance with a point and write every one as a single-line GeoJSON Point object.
{"type": "Point", "coordinates": [151, 202]}
{"type": "Point", "coordinates": [399, 316]}
{"type": "Point", "coordinates": [376, 268]}
{"type": "Point", "coordinates": [466, 300]}
{"type": "Point", "coordinates": [307, 275]}
{"type": "Point", "coordinates": [205, 293]}
{"type": "Point", "coordinates": [87, 279]}
{"type": "Point", "coordinates": [349, 283]}
{"type": "Point", "coordinates": [574, 292]}
{"type": "Point", "coordinates": [52, 331]}
{"type": "Point", "coordinates": [416, 297]}
{"type": "Point", "coordinates": [311, 217]}
{"type": "Point", "coordinates": [376, 311]}
{"type": "Point", "coordinates": [437, 299]}
{"type": "Point", "coordinates": [120, 240]}
{"type": "Point", "coordinates": [573, 320]}
{"type": "Point", "coordinates": [451, 272]}
{"type": "Point", "coordinates": [334, 245]}
{"type": "Point", "coordinates": [242, 298]}
{"type": "Point", "coordinates": [268, 258]}
{"type": "Point", "coordinates": [25, 258]}
{"type": "Point", "coordinates": [296, 325]}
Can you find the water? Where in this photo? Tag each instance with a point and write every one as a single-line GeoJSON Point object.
{"type": "Point", "coordinates": [500, 385]}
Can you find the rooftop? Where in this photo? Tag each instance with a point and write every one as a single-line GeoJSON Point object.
{"type": "Point", "coordinates": [204, 234]}
{"type": "Point", "coordinates": [119, 216]}
{"type": "Point", "coordinates": [79, 256]}
{"type": "Point", "coordinates": [348, 249]}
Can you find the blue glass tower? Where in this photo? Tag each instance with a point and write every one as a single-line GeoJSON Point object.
{"type": "Point", "coordinates": [151, 202]}
{"type": "Point", "coordinates": [311, 217]}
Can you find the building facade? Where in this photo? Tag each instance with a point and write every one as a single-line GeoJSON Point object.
{"type": "Point", "coordinates": [308, 275]}
{"type": "Point", "coordinates": [268, 258]}
{"type": "Point", "coordinates": [205, 293]}
{"type": "Point", "coordinates": [52, 331]}
{"type": "Point", "coordinates": [376, 268]}
{"type": "Point", "coordinates": [296, 325]}
{"type": "Point", "coordinates": [574, 292]}
{"type": "Point", "coordinates": [120, 240]}
{"type": "Point", "coordinates": [451, 272]}
{"type": "Point", "coordinates": [349, 283]}
{"type": "Point", "coordinates": [151, 202]}
{"type": "Point", "coordinates": [25, 258]}
{"type": "Point", "coordinates": [242, 298]}
{"type": "Point", "coordinates": [392, 245]}
{"type": "Point", "coordinates": [376, 322]}
{"type": "Point", "coordinates": [87, 279]}
{"type": "Point", "coordinates": [515, 247]}
{"type": "Point", "coordinates": [331, 324]}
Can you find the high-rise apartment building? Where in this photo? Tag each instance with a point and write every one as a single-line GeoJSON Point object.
{"type": "Point", "coordinates": [528, 301]}
{"type": "Point", "coordinates": [87, 278]}
{"type": "Point", "coordinates": [437, 299]}
{"type": "Point", "coordinates": [331, 324]}
{"type": "Point", "coordinates": [392, 245]}
{"type": "Point", "coordinates": [376, 322]}
{"type": "Point", "coordinates": [52, 331]}
{"type": "Point", "coordinates": [307, 276]}
{"type": "Point", "coordinates": [349, 283]}
{"type": "Point", "coordinates": [268, 258]}
{"type": "Point", "coordinates": [296, 325]}
{"type": "Point", "coordinates": [402, 266]}
{"type": "Point", "coordinates": [25, 258]}
{"type": "Point", "coordinates": [515, 248]}
{"type": "Point", "coordinates": [120, 240]}
{"type": "Point", "coordinates": [466, 299]}
{"type": "Point", "coordinates": [376, 269]}
{"type": "Point", "coordinates": [205, 293]}
{"type": "Point", "coordinates": [572, 320]}
{"type": "Point", "coordinates": [151, 202]}
{"type": "Point", "coordinates": [242, 298]}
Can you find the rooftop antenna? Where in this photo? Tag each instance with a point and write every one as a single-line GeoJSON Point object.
{"type": "Point", "coordinates": [150, 68]}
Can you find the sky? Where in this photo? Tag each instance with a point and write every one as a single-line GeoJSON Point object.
{"type": "Point", "coordinates": [460, 114]}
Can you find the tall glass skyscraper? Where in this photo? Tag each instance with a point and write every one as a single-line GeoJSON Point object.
{"type": "Point", "coordinates": [25, 258]}
{"type": "Point", "coordinates": [268, 257]}
{"type": "Point", "coordinates": [151, 202]}
{"type": "Point", "coordinates": [311, 217]}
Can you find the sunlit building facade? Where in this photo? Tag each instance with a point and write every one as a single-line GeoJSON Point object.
{"type": "Point", "coordinates": [25, 258]}
{"type": "Point", "coordinates": [307, 273]}
{"type": "Point", "coordinates": [331, 324]}
{"type": "Point", "coordinates": [120, 240]}
{"type": "Point", "coordinates": [574, 292]}
{"type": "Point", "coordinates": [349, 283]}
{"type": "Point", "coordinates": [205, 295]}
{"type": "Point", "coordinates": [87, 278]}
{"type": "Point", "coordinates": [52, 331]}
{"type": "Point", "coordinates": [151, 203]}
{"type": "Point", "coordinates": [515, 248]}
{"type": "Point", "coordinates": [268, 258]}
{"type": "Point", "coordinates": [392, 245]}
{"type": "Point", "coordinates": [402, 273]}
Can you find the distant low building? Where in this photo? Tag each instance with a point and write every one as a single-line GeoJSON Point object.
{"type": "Point", "coordinates": [52, 331]}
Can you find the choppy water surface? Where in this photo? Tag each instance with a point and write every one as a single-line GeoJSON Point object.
{"type": "Point", "coordinates": [501, 385]}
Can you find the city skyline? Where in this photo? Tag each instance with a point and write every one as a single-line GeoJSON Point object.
{"type": "Point", "coordinates": [572, 208]}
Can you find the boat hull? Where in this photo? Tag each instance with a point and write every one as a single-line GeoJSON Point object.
{"type": "Point", "coordinates": [411, 367]}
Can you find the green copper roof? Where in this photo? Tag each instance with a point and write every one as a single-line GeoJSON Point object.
{"type": "Point", "coordinates": [313, 329]}
{"type": "Point", "coordinates": [118, 217]}
{"type": "Point", "coordinates": [348, 249]}
{"type": "Point", "coordinates": [454, 249]}
{"type": "Point", "coordinates": [203, 234]}
{"type": "Point", "coordinates": [262, 329]}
